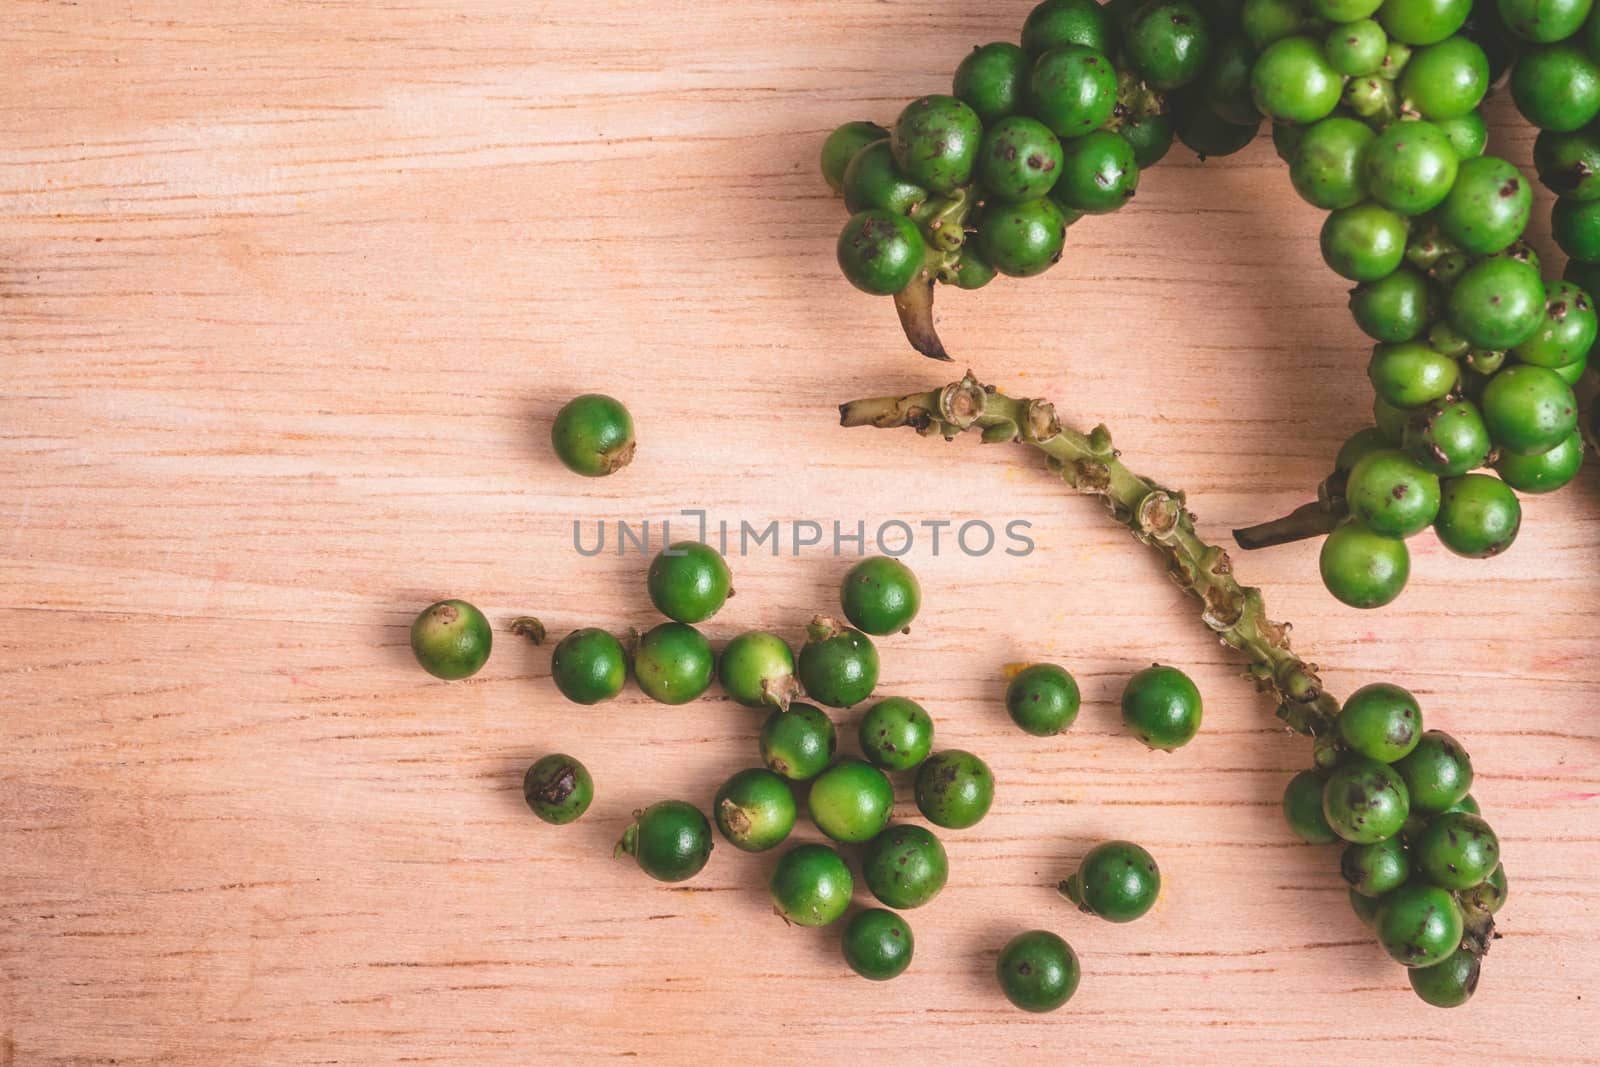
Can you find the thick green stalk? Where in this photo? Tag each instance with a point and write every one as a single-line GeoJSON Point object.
{"type": "Point", "coordinates": [1155, 515]}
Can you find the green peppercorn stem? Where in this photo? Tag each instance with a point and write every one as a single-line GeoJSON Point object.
{"type": "Point", "coordinates": [1156, 516]}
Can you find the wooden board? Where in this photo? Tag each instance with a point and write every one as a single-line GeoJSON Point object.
{"type": "Point", "coordinates": [291, 292]}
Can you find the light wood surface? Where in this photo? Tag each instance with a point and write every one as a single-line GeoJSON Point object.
{"type": "Point", "coordinates": [290, 294]}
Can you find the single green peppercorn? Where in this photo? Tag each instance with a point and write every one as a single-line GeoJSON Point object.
{"type": "Point", "coordinates": [558, 788]}
{"type": "Point", "coordinates": [799, 743]}
{"type": "Point", "coordinates": [896, 734]}
{"type": "Point", "coordinates": [905, 866]}
{"type": "Point", "coordinates": [1161, 707]}
{"type": "Point", "coordinates": [754, 810]}
{"type": "Point", "coordinates": [954, 789]}
{"type": "Point", "coordinates": [670, 841]}
{"type": "Point", "coordinates": [811, 885]}
{"type": "Point", "coordinates": [1302, 809]}
{"type": "Point", "coordinates": [1437, 773]}
{"type": "Point", "coordinates": [451, 639]}
{"type": "Point", "coordinates": [589, 666]}
{"type": "Point", "coordinates": [1116, 880]}
{"type": "Point", "coordinates": [880, 595]}
{"type": "Point", "coordinates": [1381, 722]}
{"type": "Point", "coordinates": [1038, 971]}
{"type": "Point", "coordinates": [877, 944]}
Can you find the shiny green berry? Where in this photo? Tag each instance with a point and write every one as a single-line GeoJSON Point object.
{"type": "Point", "coordinates": [1390, 494]}
{"type": "Point", "coordinates": [1410, 167]}
{"type": "Point", "coordinates": [1448, 438]}
{"type": "Point", "coordinates": [1021, 240]}
{"type": "Point", "coordinates": [593, 435]}
{"type": "Point", "coordinates": [1364, 242]}
{"type": "Point", "coordinates": [1059, 22]}
{"type": "Point", "coordinates": [1569, 163]}
{"type": "Point", "coordinates": [1381, 722]}
{"type": "Point", "coordinates": [880, 252]}
{"type": "Point", "coordinates": [670, 841]}
{"type": "Point", "coordinates": [935, 142]}
{"type": "Point", "coordinates": [1422, 22]}
{"type": "Point", "coordinates": [1302, 809]}
{"type": "Point", "coordinates": [811, 885]}
{"type": "Point", "coordinates": [1117, 880]}
{"type": "Point", "coordinates": [1395, 308]}
{"type": "Point", "coordinates": [1498, 303]}
{"type": "Point", "coordinates": [1293, 82]}
{"type": "Point", "coordinates": [872, 182]}
{"type": "Point", "coordinates": [1326, 170]}
{"type": "Point", "coordinates": [1354, 48]}
{"type": "Point", "coordinates": [1567, 332]}
{"type": "Point", "coordinates": [1365, 801]}
{"type": "Point", "coordinates": [451, 639]}
{"type": "Point", "coordinates": [754, 810]}
{"type": "Point", "coordinates": [1018, 159]}
{"type": "Point", "coordinates": [1411, 374]}
{"type": "Point", "coordinates": [757, 670]}
{"type": "Point", "coordinates": [1543, 472]}
{"type": "Point", "coordinates": [1361, 568]}
{"type": "Point", "coordinates": [1544, 21]}
{"type": "Point", "coordinates": [589, 666]}
{"type": "Point", "coordinates": [1457, 850]}
{"type": "Point", "coordinates": [558, 789]}
{"type": "Point", "coordinates": [1446, 80]}
{"type": "Point", "coordinates": [1161, 707]}
{"type": "Point", "coordinates": [992, 80]}
{"type": "Point", "coordinates": [880, 595]}
{"type": "Point", "coordinates": [1449, 983]}
{"type": "Point", "coordinates": [1419, 925]}
{"type": "Point", "coordinates": [673, 663]}
{"type": "Point", "coordinates": [1042, 699]}
{"type": "Point", "coordinates": [1556, 87]}
{"type": "Point", "coordinates": [1529, 409]}
{"type": "Point", "coordinates": [905, 866]}
{"type": "Point", "coordinates": [954, 789]}
{"type": "Point", "coordinates": [1437, 773]}
{"type": "Point", "coordinates": [841, 147]}
{"type": "Point", "coordinates": [1479, 516]}
{"type": "Point", "coordinates": [896, 734]}
{"type": "Point", "coordinates": [1376, 868]}
{"type": "Point", "coordinates": [1038, 971]}
{"type": "Point", "coordinates": [877, 944]}
{"type": "Point", "coordinates": [1168, 43]}
{"type": "Point", "coordinates": [1099, 173]}
{"type": "Point", "coordinates": [851, 801]}
{"type": "Point", "coordinates": [838, 665]}
{"type": "Point", "coordinates": [799, 743]}
{"type": "Point", "coordinates": [1488, 206]}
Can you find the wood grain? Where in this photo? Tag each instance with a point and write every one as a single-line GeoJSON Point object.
{"type": "Point", "coordinates": [290, 292]}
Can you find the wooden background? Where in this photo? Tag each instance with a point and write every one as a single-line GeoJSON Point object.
{"type": "Point", "coordinates": [291, 292]}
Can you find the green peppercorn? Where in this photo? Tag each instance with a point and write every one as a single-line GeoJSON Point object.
{"type": "Point", "coordinates": [838, 665]}
{"type": "Point", "coordinates": [1419, 925]}
{"type": "Point", "coordinates": [1038, 971]}
{"type": "Point", "coordinates": [1457, 850]}
{"type": "Point", "coordinates": [811, 885]}
{"type": "Point", "coordinates": [905, 866]}
{"type": "Point", "coordinates": [670, 840]}
{"type": "Point", "coordinates": [954, 789]}
{"type": "Point", "coordinates": [1479, 516]}
{"type": "Point", "coordinates": [754, 810]}
{"type": "Point", "coordinates": [1161, 707]}
{"type": "Point", "coordinates": [841, 147]}
{"type": "Point", "coordinates": [1392, 495]}
{"type": "Point", "coordinates": [880, 252]}
{"type": "Point", "coordinates": [673, 663]}
{"type": "Point", "coordinates": [1381, 722]}
{"type": "Point", "coordinates": [1042, 699]}
{"type": "Point", "coordinates": [589, 666]}
{"type": "Point", "coordinates": [1116, 880]}
{"type": "Point", "coordinates": [1529, 409]}
{"type": "Point", "coordinates": [1449, 983]}
{"type": "Point", "coordinates": [1543, 472]}
{"type": "Point", "coordinates": [1437, 773]}
{"type": "Point", "coordinates": [992, 80]}
{"type": "Point", "coordinates": [1072, 90]}
{"type": "Point", "coordinates": [851, 801]}
{"type": "Point", "coordinates": [799, 743]}
{"type": "Point", "coordinates": [1302, 809]}
{"type": "Point", "coordinates": [757, 670]}
{"type": "Point", "coordinates": [1375, 868]}
{"type": "Point", "coordinates": [1363, 569]}
{"type": "Point", "coordinates": [877, 944]}
{"type": "Point", "coordinates": [1448, 438]}
{"type": "Point", "coordinates": [558, 788]}
{"type": "Point", "coordinates": [935, 142]}
{"type": "Point", "coordinates": [896, 734]}
{"type": "Point", "coordinates": [880, 595]}
{"type": "Point", "coordinates": [593, 435]}
{"type": "Point", "coordinates": [1365, 801]}
{"type": "Point", "coordinates": [451, 639]}
{"type": "Point", "coordinates": [1168, 43]}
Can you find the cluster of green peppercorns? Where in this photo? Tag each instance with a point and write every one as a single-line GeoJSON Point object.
{"type": "Point", "coordinates": [1374, 106]}
{"type": "Point", "coordinates": [1423, 866]}
{"type": "Point", "coordinates": [850, 800]}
